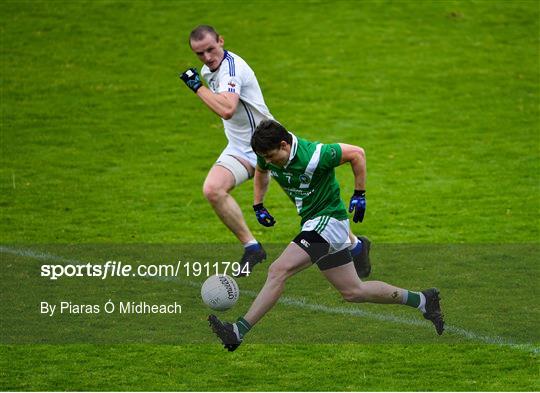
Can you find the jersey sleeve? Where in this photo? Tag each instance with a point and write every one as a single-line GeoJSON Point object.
{"type": "Point", "coordinates": [230, 78]}
{"type": "Point", "coordinates": [262, 163]}
{"type": "Point", "coordinates": [330, 156]}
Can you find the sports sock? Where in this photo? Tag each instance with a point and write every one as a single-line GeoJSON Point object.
{"type": "Point", "coordinates": [251, 243]}
{"type": "Point", "coordinates": [356, 247]}
{"type": "Point", "coordinates": [242, 327]}
{"type": "Point", "coordinates": [415, 299]}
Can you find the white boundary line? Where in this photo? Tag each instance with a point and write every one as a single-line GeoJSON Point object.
{"type": "Point", "coordinates": [302, 303]}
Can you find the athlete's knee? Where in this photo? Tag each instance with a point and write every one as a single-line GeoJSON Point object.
{"type": "Point", "coordinates": [213, 192]}
{"type": "Point", "coordinates": [279, 271]}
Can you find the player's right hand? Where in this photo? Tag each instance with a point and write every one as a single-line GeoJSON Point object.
{"type": "Point", "coordinates": [263, 216]}
{"type": "Point", "coordinates": [192, 79]}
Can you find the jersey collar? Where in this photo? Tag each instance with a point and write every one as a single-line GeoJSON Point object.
{"type": "Point", "coordinates": [294, 147]}
{"type": "Point", "coordinates": [225, 54]}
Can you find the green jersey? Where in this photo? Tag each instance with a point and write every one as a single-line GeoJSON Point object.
{"type": "Point", "coordinates": [309, 179]}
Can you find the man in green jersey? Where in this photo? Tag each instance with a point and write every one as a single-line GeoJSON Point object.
{"type": "Point", "coordinates": [305, 171]}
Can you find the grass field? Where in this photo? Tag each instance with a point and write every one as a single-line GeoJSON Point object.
{"type": "Point", "coordinates": [104, 152]}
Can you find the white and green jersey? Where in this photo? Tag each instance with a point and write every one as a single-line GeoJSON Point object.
{"type": "Point", "coordinates": [309, 179]}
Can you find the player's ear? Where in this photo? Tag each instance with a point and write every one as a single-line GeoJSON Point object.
{"type": "Point", "coordinates": [221, 41]}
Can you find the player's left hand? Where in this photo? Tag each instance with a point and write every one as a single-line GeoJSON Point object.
{"type": "Point", "coordinates": [263, 216]}
{"type": "Point", "coordinates": [192, 79]}
{"type": "Point", "coordinates": [358, 205]}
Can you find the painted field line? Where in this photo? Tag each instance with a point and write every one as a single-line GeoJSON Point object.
{"type": "Point", "coordinates": [304, 304]}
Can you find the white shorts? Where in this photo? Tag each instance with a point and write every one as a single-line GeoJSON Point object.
{"type": "Point", "coordinates": [240, 172]}
{"type": "Point", "coordinates": [335, 232]}
{"type": "Point", "coordinates": [232, 150]}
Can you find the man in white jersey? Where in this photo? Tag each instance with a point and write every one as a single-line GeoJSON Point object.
{"type": "Point", "coordinates": [234, 94]}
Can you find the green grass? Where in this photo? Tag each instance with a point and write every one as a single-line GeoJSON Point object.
{"type": "Point", "coordinates": [104, 152]}
{"type": "Point", "coordinates": [301, 368]}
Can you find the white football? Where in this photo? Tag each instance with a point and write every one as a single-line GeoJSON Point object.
{"type": "Point", "coordinates": [220, 292]}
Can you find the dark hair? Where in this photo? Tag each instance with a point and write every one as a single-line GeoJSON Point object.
{"type": "Point", "coordinates": [268, 136]}
{"type": "Point", "coordinates": [201, 31]}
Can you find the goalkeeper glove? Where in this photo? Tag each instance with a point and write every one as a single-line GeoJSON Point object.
{"type": "Point", "coordinates": [358, 205]}
{"type": "Point", "coordinates": [263, 216]}
{"type": "Point", "coordinates": [192, 79]}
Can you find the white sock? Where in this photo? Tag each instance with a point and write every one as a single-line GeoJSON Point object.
{"type": "Point", "coordinates": [422, 305]}
{"type": "Point", "coordinates": [236, 331]}
{"type": "Point", "coordinates": [250, 243]}
{"type": "Point", "coordinates": [405, 297]}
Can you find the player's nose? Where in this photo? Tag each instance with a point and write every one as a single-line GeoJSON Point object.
{"type": "Point", "coordinates": [207, 57]}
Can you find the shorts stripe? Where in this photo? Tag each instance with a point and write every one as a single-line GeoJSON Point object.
{"type": "Point", "coordinates": [322, 224]}
{"type": "Point", "coordinates": [318, 225]}
{"type": "Point", "coordinates": [325, 223]}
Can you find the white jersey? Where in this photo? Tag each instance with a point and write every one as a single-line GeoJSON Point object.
{"type": "Point", "coordinates": [234, 75]}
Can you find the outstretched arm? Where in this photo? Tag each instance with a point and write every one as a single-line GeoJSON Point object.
{"type": "Point", "coordinates": [357, 157]}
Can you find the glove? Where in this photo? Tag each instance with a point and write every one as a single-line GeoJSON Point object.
{"type": "Point", "coordinates": [358, 205]}
{"type": "Point", "coordinates": [263, 216]}
{"type": "Point", "coordinates": [192, 79]}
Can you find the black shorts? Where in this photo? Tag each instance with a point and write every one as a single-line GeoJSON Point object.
{"type": "Point", "coordinates": [318, 250]}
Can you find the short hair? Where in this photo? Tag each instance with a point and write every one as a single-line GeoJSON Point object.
{"type": "Point", "coordinates": [268, 136]}
{"type": "Point", "coordinates": [201, 31]}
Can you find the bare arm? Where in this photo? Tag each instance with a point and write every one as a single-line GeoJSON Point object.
{"type": "Point", "coordinates": [357, 157]}
{"type": "Point", "coordinates": [223, 104]}
{"type": "Point", "coordinates": [260, 185]}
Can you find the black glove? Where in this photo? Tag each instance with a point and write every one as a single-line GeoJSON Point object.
{"type": "Point", "coordinates": [192, 79]}
{"type": "Point", "coordinates": [358, 205]}
{"type": "Point", "coordinates": [263, 216]}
